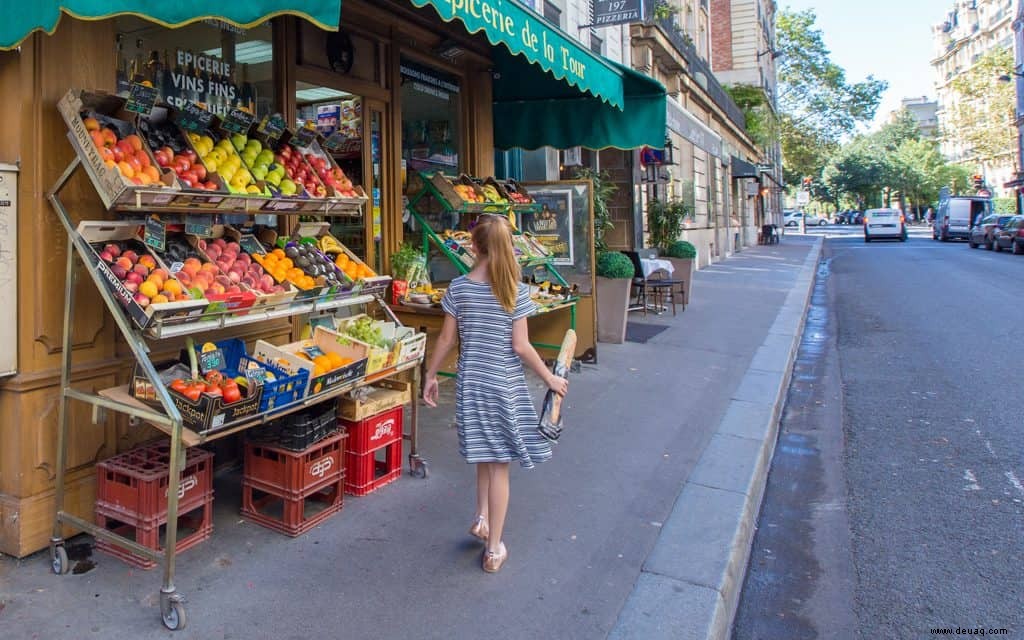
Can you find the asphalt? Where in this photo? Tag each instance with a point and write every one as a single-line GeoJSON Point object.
{"type": "Point", "coordinates": [912, 405]}
{"type": "Point", "coordinates": [585, 531]}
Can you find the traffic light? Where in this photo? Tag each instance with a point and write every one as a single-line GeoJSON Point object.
{"type": "Point", "coordinates": [979, 181]}
{"type": "Point", "coordinates": [807, 182]}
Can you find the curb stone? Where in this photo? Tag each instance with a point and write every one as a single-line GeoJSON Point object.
{"type": "Point", "coordinates": [690, 584]}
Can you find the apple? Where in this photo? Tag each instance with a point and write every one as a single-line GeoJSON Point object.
{"type": "Point", "coordinates": [131, 255]}
{"type": "Point", "coordinates": [210, 185]}
{"type": "Point", "coordinates": [142, 270]}
{"type": "Point", "coordinates": [132, 276]}
{"type": "Point", "coordinates": [112, 249]}
{"type": "Point", "coordinates": [106, 257]}
{"type": "Point", "coordinates": [185, 182]}
{"type": "Point", "coordinates": [141, 300]}
{"type": "Point", "coordinates": [131, 286]}
{"type": "Point", "coordinates": [200, 172]}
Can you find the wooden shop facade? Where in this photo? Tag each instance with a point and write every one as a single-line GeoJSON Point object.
{"type": "Point", "coordinates": [410, 87]}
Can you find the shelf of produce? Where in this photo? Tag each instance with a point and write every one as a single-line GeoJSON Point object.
{"type": "Point", "coordinates": [176, 327]}
{"type": "Point", "coordinates": [190, 438]}
{"type": "Point", "coordinates": [203, 202]}
{"type": "Point", "coordinates": [433, 310]}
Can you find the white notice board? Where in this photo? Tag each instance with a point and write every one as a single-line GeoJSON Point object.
{"type": "Point", "coordinates": [8, 268]}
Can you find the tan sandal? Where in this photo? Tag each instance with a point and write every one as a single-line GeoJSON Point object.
{"type": "Point", "coordinates": [494, 560]}
{"type": "Point", "coordinates": [479, 528]}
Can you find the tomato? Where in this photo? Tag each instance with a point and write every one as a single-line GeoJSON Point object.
{"type": "Point", "coordinates": [232, 394]}
{"type": "Point", "coordinates": [214, 377]}
{"type": "Point", "coordinates": [179, 385]}
{"type": "Point", "coordinates": [213, 390]}
{"type": "Point", "coordinates": [193, 391]}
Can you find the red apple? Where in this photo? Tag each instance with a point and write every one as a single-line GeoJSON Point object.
{"type": "Point", "coordinates": [141, 300]}
{"type": "Point", "coordinates": [142, 270]}
{"type": "Point", "coordinates": [112, 249]}
{"type": "Point", "coordinates": [131, 286]}
{"type": "Point", "coordinates": [132, 276]}
{"type": "Point", "coordinates": [200, 172]}
{"type": "Point", "coordinates": [210, 185]}
{"type": "Point", "coordinates": [106, 257]}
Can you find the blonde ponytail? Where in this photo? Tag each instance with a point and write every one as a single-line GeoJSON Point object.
{"type": "Point", "coordinates": [492, 238]}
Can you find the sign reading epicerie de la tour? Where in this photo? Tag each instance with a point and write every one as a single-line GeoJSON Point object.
{"type": "Point", "coordinates": [518, 30]}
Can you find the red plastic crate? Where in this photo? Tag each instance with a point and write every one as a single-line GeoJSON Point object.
{"type": "Point", "coordinates": [194, 526]}
{"type": "Point", "coordinates": [367, 472]}
{"type": "Point", "coordinates": [294, 473]}
{"type": "Point", "coordinates": [134, 483]}
{"type": "Point", "coordinates": [292, 515]}
{"type": "Point", "coordinates": [374, 432]}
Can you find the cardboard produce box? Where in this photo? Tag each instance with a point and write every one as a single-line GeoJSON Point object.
{"type": "Point", "coordinates": [97, 234]}
{"type": "Point", "coordinates": [287, 358]}
{"type": "Point", "coordinates": [112, 187]}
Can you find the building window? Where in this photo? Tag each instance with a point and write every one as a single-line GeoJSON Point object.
{"type": "Point", "coordinates": [553, 14]}
{"type": "Point", "coordinates": [596, 44]}
{"type": "Point", "coordinates": [208, 62]}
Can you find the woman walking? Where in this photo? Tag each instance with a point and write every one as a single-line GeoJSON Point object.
{"type": "Point", "coordinates": [495, 415]}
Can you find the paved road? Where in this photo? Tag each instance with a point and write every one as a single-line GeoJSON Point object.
{"type": "Point", "coordinates": [895, 504]}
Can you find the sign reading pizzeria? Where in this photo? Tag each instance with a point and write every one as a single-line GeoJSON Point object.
{"type": "Point", "coordinates": [609, 12]}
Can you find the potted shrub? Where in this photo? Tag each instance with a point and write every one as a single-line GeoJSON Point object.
{"type": "Point", "coordinates": [683, 256]}
{"type": "Point", "coordinates": [614, 277]}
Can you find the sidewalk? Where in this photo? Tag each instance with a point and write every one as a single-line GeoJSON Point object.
{"type": "Point", "coordinates": [622, 533]}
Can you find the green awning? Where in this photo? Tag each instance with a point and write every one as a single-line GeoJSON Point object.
{"type": "Point", "coordinates": [532, 110]}
{"type": "Point", "coordinates": [524, 33]}
{"type": "Point", "coordinates": [35, 15]}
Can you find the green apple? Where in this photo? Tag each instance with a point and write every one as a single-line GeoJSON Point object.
{"type": "Point", "coordinates": [265, 157]}
{"type": "Point", "coordinates": [254, 144]}
{"type": "Point", "coordinates": [274, 177]}
{"type": "Point", "coordinates": [288, 187]}
{"type": "Point", "coordinates": [250, 157]}
{"type": "Point", "coordinates": [259, 172]}
{"type": "Point", "coordinates": [238, 140]}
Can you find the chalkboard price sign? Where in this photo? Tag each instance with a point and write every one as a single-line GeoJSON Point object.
{"type": "Point", "coordinates": [313, 351]}
{"type": "Point", "coordinates": [251, 245]}
{"type": "Point", "coordinates": [272, 126]}
{"type": "Point", "coordinates": [304, 137]}
{"type": "Point", "coordinates": [192, 117]}
{"type": "Point", "coordinates": [140, 99]}
{"type": "Point", "coordinates": [238, 121]}
{"type": "Point", "coordinates": [200, 225]}
{"type": "Point", "coordinates": [155, 234]}
{"type": "Point", "coordinates": [335, 142]}
{"type": "Point", "coordinates": [212, 360]}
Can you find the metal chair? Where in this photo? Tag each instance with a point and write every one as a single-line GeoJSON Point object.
{"type": "Point", "coordinates": [654, 291]}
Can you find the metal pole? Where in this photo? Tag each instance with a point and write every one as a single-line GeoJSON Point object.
{"type": "Point", "coordinates": [65, 384]}
{"type": "Point", "coordinates": [1018, 67]}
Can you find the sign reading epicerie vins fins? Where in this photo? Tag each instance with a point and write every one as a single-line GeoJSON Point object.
{"type": "Point", "coordinates": [517, 29]}
{"type": "Point", "coordinates": [609, 12]}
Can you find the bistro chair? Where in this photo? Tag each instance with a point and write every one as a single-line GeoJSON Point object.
{"type": "Point", "coordinates": [655, 290]}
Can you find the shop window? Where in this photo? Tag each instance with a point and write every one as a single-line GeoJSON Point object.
{"type": "Point", "coordinates": [338, 116]}
{"type": "Point", "coordinates": [210, 62]}
{"type": "Point", "coordinates": [596, 44]}
{"type": "Point", "coordinates": [553, 14]}
{"type": "Point", "coordinates": [430, 119]}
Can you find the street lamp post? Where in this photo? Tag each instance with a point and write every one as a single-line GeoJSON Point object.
{"type": "Point", "coordinates": [1018, 63]}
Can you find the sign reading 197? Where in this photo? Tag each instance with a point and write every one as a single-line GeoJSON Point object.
{"type": "Point", "coordinates": [609, 12]}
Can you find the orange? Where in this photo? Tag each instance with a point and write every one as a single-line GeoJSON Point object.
{"type": "Point", "coordinates": [278, 252]}
{"type": "Point", "coordinates": [126, 169]}
{"type": "Point", "coordinates": [336, 360]}
{"type": "Point", "coordinates": [324, 362]}
{"type": "Point", "coordinates": [308, 282]}
{"type": "Point", "coordinates": [287, 263]}
{"type": "Point", "coordinates": [319, 370]}
{"type": "Point", "coordinates": [159, 298]}
{"type": "Point", "coordinates": [148, 289]}
{"type": "Point", "coordinates": [172, 286]}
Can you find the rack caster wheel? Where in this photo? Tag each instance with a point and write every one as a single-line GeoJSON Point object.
{"type": "Point", "coordinates": [59, 560]}
{"type": "Point", "coordinates": [173, 612]}
{"type": "Point", "coordinates": [418, 468]}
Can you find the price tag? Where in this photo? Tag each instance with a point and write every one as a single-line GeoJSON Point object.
{"type": "Point", "coordinates": [238, 121]}
{"type": "Point", "coordinates": [200, 225]}
{"type": "Point", "coordinates": [155, 234]}
{"type": "Point", "coordinates": [313, 351]}
{"type": "Point", "coordinates": [335, 142]}
{"type": "Point", "coordinates": [140, 98]}
{"type": "Point", "coordinates": [304, 137]}
{"type": "Point", "coordinates": [255, 372]}
{"type": "Point", "coordinates": [177, 266]}
{"type": "Point", "coordinates": [251, 245]}
{"type": "Point", "coordinates": [272, 126]}
{"type": "Point", "coordinates": [212, 361]}
{"type": "Point", "coordinates": [192, 117]}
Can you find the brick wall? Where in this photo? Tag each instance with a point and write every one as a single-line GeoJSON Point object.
{"type": "Point", "coordinates": [721, 35]}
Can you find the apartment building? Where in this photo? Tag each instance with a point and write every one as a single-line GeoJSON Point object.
{"type": "Point", "coordinates": [743, 53]}
{"type": "Point", "coordinates": [924, 111]}
{"type": "Point", "coordinates": [969, 30]}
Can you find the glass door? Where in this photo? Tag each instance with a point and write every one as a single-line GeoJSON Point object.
{"type": "Point", "coordinates": [374, 170]}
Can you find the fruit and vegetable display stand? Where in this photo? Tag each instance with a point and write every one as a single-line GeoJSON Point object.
{"type": "Point", "coordinates": [445, 209]}
{"type": "Point", "coordinates": [157, 285]}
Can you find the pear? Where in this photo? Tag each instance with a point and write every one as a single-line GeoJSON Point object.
{"type": "Point", "coordinates": [238, 140]}
{"type": "Point", "coordinates": [288, 187]}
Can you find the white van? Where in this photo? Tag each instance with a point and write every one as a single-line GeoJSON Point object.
{"type": "Point", "coordinates": [884, 224]}
{"type": "Point", "coordinates": [957, 215]}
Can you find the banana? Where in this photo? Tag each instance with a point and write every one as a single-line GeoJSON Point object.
{"type": "Point", "coordinates": [328, 244]}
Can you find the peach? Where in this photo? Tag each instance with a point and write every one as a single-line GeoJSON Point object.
{"type": "Point", "coordinates": [148, 261]}
{"type": "Point", "coordinates": [125, 263]}
{"type": "Point", "coordinates": [131, 255]}
{"type": "Point", "coordinates": [91, 124]}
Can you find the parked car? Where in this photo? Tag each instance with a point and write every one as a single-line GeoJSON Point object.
{"type": "Point", "coordinates": [882, 224]}
{"type": "Point", "coordinates": [858, 217]}
{"type": "Point", "coordinates": [792, 218]}
{"type": "Point", "coordinates": [846, 217]}
{"type": "Point", "coordinates": [1010, 236]}
{"type": "Point", "coordinates": [957, 215]}
{"type": "Point", "coordinates": [983, 233]}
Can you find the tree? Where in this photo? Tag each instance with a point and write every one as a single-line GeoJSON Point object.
{"type": "Point", "coordinates": [817, 105]}
{"type": "Point", "coordinates": [980, 118]}
{"type": "Point", "coordinates": [858, 170]}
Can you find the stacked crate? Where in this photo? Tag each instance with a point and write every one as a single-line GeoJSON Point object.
{"type": "Point", "coordinates": [293, 491]}
{"type": "Point", "coordinates": [131, 499]}
{"type": "Point", "coordinates": [373, 455]}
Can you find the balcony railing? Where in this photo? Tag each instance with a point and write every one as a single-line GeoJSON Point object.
{"type": "Point", "coordinates": [696, 64]}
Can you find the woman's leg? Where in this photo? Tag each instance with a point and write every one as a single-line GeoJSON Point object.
{"type": "Point", "coordinates": [497, 500]}
{"type": "Point", "coordinates": [483, 483]}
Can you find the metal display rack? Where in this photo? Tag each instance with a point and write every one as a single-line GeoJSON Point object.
{"type": "Point", "coordinates": [430, 192]}
{"type": "Point", "coordinates": [169, 421]}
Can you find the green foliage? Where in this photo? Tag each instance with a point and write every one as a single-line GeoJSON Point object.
{"type": "Point", "coordinates": [663, 10]}
{"type": "Point", "coordinates": [981, 117]}
{"type": "Point", "coordinates": [604, 190]}
{"type": "Point", "coordinates": [816, 103]}
{"type": "Point", "coordinates": [665, 221]}
{"type": "Point", "coordinates": [612, 264]}
{"type": "Point", "coordinates": [681, 249]}
{"type": "Point", "coordinates": [403, 259]}
{"type": "Point", "coordinates": [1005, 205]}
{"type": "Point", "coordinates": [759, 118]}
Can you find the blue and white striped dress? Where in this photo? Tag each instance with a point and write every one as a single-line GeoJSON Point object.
{"type": "Point", "coordinates": [496, 417]}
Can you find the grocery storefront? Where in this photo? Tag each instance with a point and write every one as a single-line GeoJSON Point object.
{"type": "Point", "coordinates": [400, 91]}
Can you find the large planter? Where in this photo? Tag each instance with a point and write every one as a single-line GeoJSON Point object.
{"type": "Point", "coordinates": [683, 270]}
{"type": "Point", "coordinates": [612, 309]}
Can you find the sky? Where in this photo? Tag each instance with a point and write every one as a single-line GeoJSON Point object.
{"type": "Point", "coordinates": [889, 39]}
